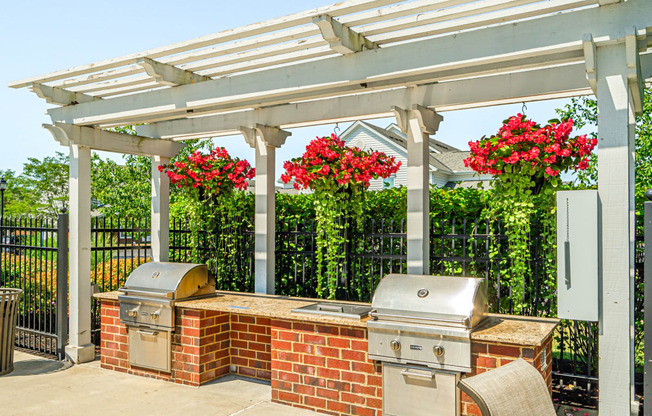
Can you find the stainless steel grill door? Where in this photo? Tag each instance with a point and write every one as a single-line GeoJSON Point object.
{"type": "Point", "coordinates": [149, 348]}
{"type": "Point", "coordinates": [419, 391]}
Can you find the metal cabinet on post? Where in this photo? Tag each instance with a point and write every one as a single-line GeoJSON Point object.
{"type": "Point", "coordinates": [578, 280]}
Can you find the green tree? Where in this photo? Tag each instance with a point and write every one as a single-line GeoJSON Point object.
{"type": "Point", "coordinates": [44, 185]}
{"type": "Point", "coordinates": [584, 112]}
{"type": "Point", "coordinates": [17, 200]}
{"type": "Point", "coordinates": [124, 189]}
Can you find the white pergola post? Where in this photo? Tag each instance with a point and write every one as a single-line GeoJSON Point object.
{"type": "Point", "coordinates": [616, 189]}
{"type": "Point", "coordinates": [79, 348]}
{"type": "Point", "coordinates": [160, 211]}
{"type": "Point", "coordinates": [418, 123]}
{"type": "Point", "coordinates": [265, 140]}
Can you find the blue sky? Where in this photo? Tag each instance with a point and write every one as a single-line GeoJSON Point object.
{"type": "Point", "coordinates": [44, 36]}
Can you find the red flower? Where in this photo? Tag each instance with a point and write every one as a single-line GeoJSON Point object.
{"type": "Point", "coordinates": [522, 143]}
{"type": "Point", "coordinates": [214, 172]}
{"type": "Point", "coordinates": [328, 160]}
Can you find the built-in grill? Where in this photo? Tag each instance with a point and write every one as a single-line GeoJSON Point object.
{"type": "Point", "coordinates": [147, 307]}
{"type": "Point", "coordinates": [421, 332]}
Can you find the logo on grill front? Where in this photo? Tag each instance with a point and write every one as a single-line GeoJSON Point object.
{"type": "Point", "coordinates": [422, 293]}
{"type": "Point", "coordinates": [416, 347]}
{"type": "Point", "coordinates": [155, 275]}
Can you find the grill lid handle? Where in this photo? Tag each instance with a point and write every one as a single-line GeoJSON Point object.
{"type": "Point", "coordinates": [463, 321]}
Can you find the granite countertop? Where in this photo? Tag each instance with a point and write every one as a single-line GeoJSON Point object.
{"type": "Point", "coordinates": [497, 328]}
{"type": "Point", "coordinates": [511, 329]}
{"type": "Point", "coordinates": [257, 304]}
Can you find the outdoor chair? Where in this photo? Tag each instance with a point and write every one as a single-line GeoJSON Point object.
{"type": "Point", "coordinates": [515, 389]}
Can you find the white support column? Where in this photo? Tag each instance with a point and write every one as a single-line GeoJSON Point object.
{"type": "Point", "coordinates": [616, 188]}
{"type": "Point", "coordinates": [79, 348]}
{"type": "Point", "coordinates": [160, 211]}
{"type": "Point", "coordinates": [265, 140]}
{"type": "Point", "coordinates": [418, 123]}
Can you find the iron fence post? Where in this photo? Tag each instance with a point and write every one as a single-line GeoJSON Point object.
{"type": "Point", "coordinates": [647, 299]}
{"type": "Point", "coordinates": [62, 284]}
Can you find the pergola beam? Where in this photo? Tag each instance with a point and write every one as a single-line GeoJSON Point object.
{"type": "Point", "coordinates": [278, 97]}
{"type": "Point", "coordinates": [67, 134]}
{"type": "Point", "coordinates": [165, 74]}
{"type": "Point", "coordinates": [525, 40]}
{"type": "Point", "coordinates": [340, 37]}
{"type": "Point", "coordinates": [505, 88]}
{"type": "Point", "coordinates": [56, 95]}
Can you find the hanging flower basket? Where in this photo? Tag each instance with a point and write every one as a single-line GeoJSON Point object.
{"type": "Point", "coordinates": [522, 147]}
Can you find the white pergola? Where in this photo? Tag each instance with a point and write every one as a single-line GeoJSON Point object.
{"type": "Point", "coordinates": [363, 59]}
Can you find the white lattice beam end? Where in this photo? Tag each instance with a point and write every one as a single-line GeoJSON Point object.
{"type": "Point", "coordinates": [170, 75]}
{"type": "Point", "coordinates": [634, 73]}
{"type": "Point", "coordinates": [56, 95]}
{"type": "Point", "coordinates": [589, 60]}
{"type": "Point", "coordinates": [68, 134]}
{"type": "Point", "coordinates": [340, 37]}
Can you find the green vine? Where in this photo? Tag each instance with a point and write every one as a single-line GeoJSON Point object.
{"type": "Point", "coordinates": [526, 161]}
{"type": "Point", "coordinates": [339, 176]}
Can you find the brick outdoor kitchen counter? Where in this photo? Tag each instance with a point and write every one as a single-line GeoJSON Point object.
{"type": "Point", "coordinates": [313, 361]}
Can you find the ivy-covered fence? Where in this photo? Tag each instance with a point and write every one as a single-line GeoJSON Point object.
{"type": "Point", "coordinates": [463, 247]}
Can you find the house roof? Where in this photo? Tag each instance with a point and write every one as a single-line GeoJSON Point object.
{"type": "Point", "coordinates": [454, 161]}
{"type": "Point", "coordinates": [443, 157]}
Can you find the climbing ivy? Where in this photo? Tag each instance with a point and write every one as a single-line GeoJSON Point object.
{"type": "Point", "coordinates": [338, 176]}
{"type": "Point", "coordinates": [526, 160]}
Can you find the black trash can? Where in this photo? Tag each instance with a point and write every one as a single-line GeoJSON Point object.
{"type": "Point", "coordinates": [9, 301]}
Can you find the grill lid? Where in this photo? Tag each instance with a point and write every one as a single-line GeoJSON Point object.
{"type": "Point", "coordinates": [171, 280]}
{"type": "Point", "coordinates": [442, 300]}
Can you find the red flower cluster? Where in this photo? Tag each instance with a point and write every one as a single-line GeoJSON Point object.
{"type": "Point", "coordinates": [328, 161]}
{"type": "Point", "coordinates": [214, 172]}
{"type": "Point", "coordinates": [524, 144]}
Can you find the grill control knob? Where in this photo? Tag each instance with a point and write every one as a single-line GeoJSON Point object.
{"type": "Point", "coordinates": [154, 316]}
{"type": "Point", "coordinates": [395, 345]}
{"type": "Point", "coordinates": [438, 350]}
{"type": "Point", "coordinates": [132, 313]}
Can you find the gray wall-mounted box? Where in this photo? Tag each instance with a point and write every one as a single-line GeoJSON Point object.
{"type": "Point", "coordinates": [577, 255]}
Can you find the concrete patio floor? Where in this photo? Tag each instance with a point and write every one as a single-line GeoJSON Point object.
{"type": "Point", "coordinates": [40, 386]}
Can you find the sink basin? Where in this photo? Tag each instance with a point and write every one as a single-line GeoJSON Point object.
{"type": "Point", "coordinates": [343, 310]}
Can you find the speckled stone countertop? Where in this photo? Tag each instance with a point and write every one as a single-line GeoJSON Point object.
{"type": "Point", "coordinates": [503, 329]}
{"type": "Point", "coordinates": [509, 329]}
{"type": "Point", "coordinates": [257, 304]}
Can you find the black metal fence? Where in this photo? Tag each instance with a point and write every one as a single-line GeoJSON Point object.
{"type": "Point", "coordinates": [118, 246]}
{"type": "Point", "coordinates": [464, 247]}
{"type": "Point", "coordinates": [34, 258]}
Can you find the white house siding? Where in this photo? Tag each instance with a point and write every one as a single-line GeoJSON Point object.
{"type": "Point", "coordinates": [439, 179]}
{"type": "Point", "coordinates": [366, 139]}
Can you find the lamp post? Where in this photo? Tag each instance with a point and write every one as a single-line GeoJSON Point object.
{"type": "Point", "coordinates": [3, 186]}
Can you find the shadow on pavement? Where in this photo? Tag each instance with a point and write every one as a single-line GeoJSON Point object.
{"type": "Point", "coordinates": [37, 367]}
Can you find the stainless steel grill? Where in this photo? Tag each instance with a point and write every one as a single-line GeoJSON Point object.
{"type": "Point", "coordinates": [421, 331]}
{"type": "Point", "coordinates": [147, 307]}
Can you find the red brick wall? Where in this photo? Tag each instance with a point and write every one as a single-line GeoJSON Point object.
{"type": "Point", "coordinates": [251, 346]}
{"type": "Point", "coordinates": [324, 368]}
{"type": "Point", "coordinates": [486, 356]}
{"type": "Point", "coordinates": [200, 345]}
{"type": "Point", "coordinates": [315, 366]}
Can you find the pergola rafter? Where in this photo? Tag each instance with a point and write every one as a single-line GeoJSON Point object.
{"type": "Point", "coordinates": [364, 59]}
{"type": "Point", "coordinates": [380, 68]}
